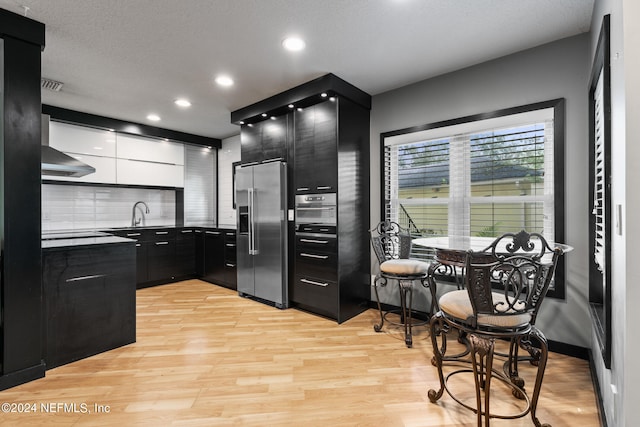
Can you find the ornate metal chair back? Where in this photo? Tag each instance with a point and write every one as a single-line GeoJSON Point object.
{"type": "Point", "coordinates": [390, 241]}
{"type": "Point", "coordinates": [515, 279]}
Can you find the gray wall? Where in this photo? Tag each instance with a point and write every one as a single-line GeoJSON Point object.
{"type": "Point", "coordinates": [556, 70]}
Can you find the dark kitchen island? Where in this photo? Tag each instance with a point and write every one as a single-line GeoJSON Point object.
{"type": "Point", "coordinates": [89, 284]}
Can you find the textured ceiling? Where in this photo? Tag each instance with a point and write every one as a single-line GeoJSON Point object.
{"type": "Point", "coordinates": [127, 58]}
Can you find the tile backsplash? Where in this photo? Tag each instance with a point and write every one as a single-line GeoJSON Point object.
{"type": "Point", "coordinates": [79, 207]}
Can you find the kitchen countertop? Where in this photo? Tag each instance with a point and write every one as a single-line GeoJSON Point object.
{"type": "Point", "coordinates": [66, 238]}
{"type": "Point", "coordinates": [83, 241]}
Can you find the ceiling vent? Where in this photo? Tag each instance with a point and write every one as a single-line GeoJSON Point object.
{"type": "Point", "coordinates": [51, 84]}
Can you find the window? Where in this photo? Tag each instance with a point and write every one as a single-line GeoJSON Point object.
{"type": "Point", "coordinates": [482, 175]}
{"type": "Point", "coordinates": [599, 193]}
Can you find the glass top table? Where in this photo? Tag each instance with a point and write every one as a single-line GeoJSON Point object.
{"type": "Point", "coordinates": [451, 253]}
{"type": "Point", "coordinates": [453, 250]}
{"type": "Point", "coordinates": [477, 244]}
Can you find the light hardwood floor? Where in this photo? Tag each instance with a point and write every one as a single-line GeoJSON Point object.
{"type": "Point", "coordinates": [206, 357]}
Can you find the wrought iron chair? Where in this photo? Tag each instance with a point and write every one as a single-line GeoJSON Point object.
{"type": "Point", "coordinates": [392, 246]}
{"type": "Point", "coordinates": [505, 285]}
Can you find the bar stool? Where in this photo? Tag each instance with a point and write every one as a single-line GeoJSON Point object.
{"type": "Point", "coordinates": [392, 246]}
{"type": "Point", "coordinates": [503, 292]}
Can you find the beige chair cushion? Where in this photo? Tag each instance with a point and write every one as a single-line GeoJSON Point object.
{"type": "Point", "coordinates": [404, 267]}
{"type": "Point", "coordinates": [458, 305]}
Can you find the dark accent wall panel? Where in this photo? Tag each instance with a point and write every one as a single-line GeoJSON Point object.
{"type": "Point", "coordinates": [353, 207]}
{"type": "Point", "coordinates": [77, 117]}
{"type": "Point", "coordinates": [303, 95]}
{"type": "Point", "coordinates": [20, 225]}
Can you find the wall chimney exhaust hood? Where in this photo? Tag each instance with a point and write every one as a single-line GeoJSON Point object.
{"type": "Point", "coordinates": [57, 163]}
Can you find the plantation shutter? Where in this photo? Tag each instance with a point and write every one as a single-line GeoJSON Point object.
{"type": "Point", "coordinates": [599, 176]}
{"type": "Point", "coordinates": [479, 179]}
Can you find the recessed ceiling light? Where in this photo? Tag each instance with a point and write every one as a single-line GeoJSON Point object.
{"type": "Point", "coordinates": [264, 114]}
{"type": "Point", "coordinates": [153, 117]}
{"type": "Point", "coordinates": [293, 44]}
{"type": "Point", "coordinates": [181, 102]}
{"type": "Point", "coordinates": [224, 80]}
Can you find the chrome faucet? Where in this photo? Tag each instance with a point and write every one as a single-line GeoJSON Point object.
{"type": "Point", "coordinates": [135, 222]}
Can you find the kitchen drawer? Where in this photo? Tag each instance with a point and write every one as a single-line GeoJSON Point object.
{"type": "Point", "coordinates": [316, 294]}
{"type": "Point", "coordinates": [161, 234]}
{"type": "Point", "coordinates": [146, 234]}
{"type": "Point", "coordinates": [316, 243]}
{"type": "Point", "coordinates": [317, 264]}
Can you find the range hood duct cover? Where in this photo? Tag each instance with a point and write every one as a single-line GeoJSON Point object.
{"type": "Point", "coordinates": [57, 163]}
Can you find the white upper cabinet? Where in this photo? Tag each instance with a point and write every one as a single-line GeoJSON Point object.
{"type": "Point", "coordinates": [119, 158]}
{"type": "Point", "coordinates": [150, 150]}
{"type": "Point", "coordinates": [105, 170]}
{"type": "Point", "coordinates": [82, 140]}
{"type": "Point", "coordinates": [136, 172]}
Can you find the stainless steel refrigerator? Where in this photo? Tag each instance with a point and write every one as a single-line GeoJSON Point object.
{"type": "Point", "coordinates": [261, 205]}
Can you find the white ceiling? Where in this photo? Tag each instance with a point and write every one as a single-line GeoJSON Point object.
{"type": "Point", "coordinates": [127, 58]}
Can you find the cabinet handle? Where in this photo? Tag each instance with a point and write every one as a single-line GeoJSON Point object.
{"type": "Point", "coordinates": [311, 282]}
{"type": "Point", "coordinates": [81, 278]}
{"type": "Point", "coordinates": [133, 234]}
{"type": "Point", "coordinates": [198, 231]}
{"type": "Point", "coordinates": [324, 187]}
{"type": "Point", "coordinates": [314, 256]}
{"type": "Point", "coordinates": [302, 189]}
{"type": "Point", "coordinates": [324, 229]}
{"type": "Point", "coordinates": [161, 232]}
{"type": "Point", "coordinates": [138, 245]}
{"type": "Point", "coordinates": [161, 243]}
{"type": "Point", "coordinates": [230, 265]}
{"type": "Point", "coordinates": [186, 231]}
{"type": "Point", "coordinates": [216, 233]}
{"type": "Point", "coordinates": [231, 245]}
{"type": "Point", "coordinates": [321, 242]}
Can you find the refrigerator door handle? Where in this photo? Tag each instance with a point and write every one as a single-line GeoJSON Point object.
{"type": "Point", "coordinates": [252, 234]}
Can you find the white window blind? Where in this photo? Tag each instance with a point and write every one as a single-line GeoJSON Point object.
{"type": "Point", "coordinates": [480, 179]}
{"type": "Point", "coordinates": [599, 176]}
{"type": "Point", "coordinates": [199, 185]}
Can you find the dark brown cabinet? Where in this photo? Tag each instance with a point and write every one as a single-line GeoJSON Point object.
{"type": "Point", "coordinates": [161, 255]}
{"type": "Point", "coordinates": [168, 254]}
{"type": "Point", "coordinates": [331, 152]}
{"type": "Point", "coordinates": [316, 274]}
{"type": "Point", "coordinates": [89, 294]}
{"type": "Point", "coordinates": [219, 249]}
{"type": "Point", "coordinates": [315, 149]}
{"type": "Point", "coordinates": [213, 256]}
{"type": "Point", "coordinates": [230, 267]}
{"type": "Point", "coordinates": [265, 140]}
{"type": "Point", "coordinates": [186, 252]}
